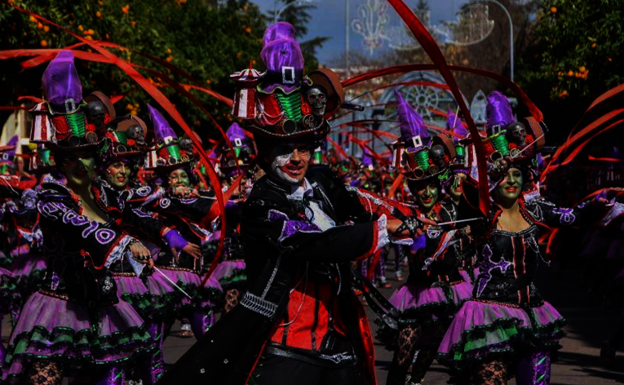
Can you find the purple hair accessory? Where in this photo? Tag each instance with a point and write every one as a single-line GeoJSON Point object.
{"type": "Point", "coordinates": [498, 111]}
{"type": "Point", "coordinates": [175, 240]}
{"type": "Point", "coordinates": [162, 130]}
{"type": "Point", "coordinates": [455, 124]}
{"type": "Point", "coordinates": [414, 133]}
{"type": "Point", "coordinates": [61, 83]}
{"type": "Point", "coordinates": [282, 57]}
{"type": "Point", "coordinates": [367, 159]}
{"type": "Point", "coordinates": [235, 132]}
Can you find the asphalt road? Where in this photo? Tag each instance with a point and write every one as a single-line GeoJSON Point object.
{"type": "Point", "coordinates": [578, 361]}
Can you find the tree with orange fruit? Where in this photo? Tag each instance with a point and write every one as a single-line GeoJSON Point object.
{"type": "Point", "coordinates": [575, 53]}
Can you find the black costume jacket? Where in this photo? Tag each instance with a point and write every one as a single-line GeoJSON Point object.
{"type": "Point", "coordinates": [184, 215]}
{"type": "Point", "coordinates": [82, 252]}
{"type": "Point", "coordinates": [283, 250]}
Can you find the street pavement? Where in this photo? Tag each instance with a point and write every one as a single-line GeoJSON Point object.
{"type": "Point", "coordinates": [578, 362]}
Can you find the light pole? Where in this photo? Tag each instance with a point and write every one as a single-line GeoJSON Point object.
{"type": "Point", "coordinates": [347, 24]}
{"type": "Point", "coordinates": [511, 40]}
{"type": "Point", "coordinates": [298, 2]}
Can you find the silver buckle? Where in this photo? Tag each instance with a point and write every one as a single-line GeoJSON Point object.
{"type": "Point", "coordinates": [288, 75]}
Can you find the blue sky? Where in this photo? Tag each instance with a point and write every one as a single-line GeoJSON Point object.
{"type": "Point", "coordinates": [329, 20]}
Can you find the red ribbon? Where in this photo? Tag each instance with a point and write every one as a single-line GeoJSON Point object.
{"type": "Point", "coordinates": [433, 50]}
{"type": "Point", "coordinates": [171, 110]}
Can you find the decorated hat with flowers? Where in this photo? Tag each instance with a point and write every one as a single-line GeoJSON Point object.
{"type": "Point", "coordinates": [416, 154]}
{"type": "Point", "coordinates": [165, 153]}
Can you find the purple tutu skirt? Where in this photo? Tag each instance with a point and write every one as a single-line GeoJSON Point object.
{"type": "Point", "coordinates": [28, 270]}
{"type": "Point", "coordinates": [423, 304]}
{"type": "Point", "coordinates": [56, 329]}
{"type": "Point", "coordinates": [230, 274]}
{"type": "Point", "coordinates": [132, 290]}
{"type": "Point", "coordinates": [482, 330]}
{"type": "Point", "coordinates": [466, 275]}
{"type": "Point", "coordinates": [169, 300]}
{"type": "Point", "coordinates": [461, 292]}
{"type": "Point", "coordinates": [8, 291]}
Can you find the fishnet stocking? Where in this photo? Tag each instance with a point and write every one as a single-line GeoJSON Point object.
{"type": "Point", "coordinates": [45, 373]}
{"type": "Point", "coordinates": [491, 373]}
{"type": "Point", "coordinates": [232, 298]}
{"type": "Point", "coordinates": [408, 338]}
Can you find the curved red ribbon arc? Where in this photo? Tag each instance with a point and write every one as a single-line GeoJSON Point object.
{"type": "Point", "coordinates": [165, 104]}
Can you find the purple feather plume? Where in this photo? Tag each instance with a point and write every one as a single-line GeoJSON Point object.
{"type": "Point", "coordinates": [498, 110]}
{"type": "Point", "coordinates": [60, 80]}
{"type": "Point", "coordinates": [410, 123]}
{"type": "Point", "coordinates": [162, 129]}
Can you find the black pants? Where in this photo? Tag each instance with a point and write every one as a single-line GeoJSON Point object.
{"type": "Point", "coordinates": [276, 370]}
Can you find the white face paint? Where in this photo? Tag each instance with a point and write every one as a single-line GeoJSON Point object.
{"type": "Point", "coordinates": [278, 163]}
{"type": "Point", "coordinates": [290, 162]}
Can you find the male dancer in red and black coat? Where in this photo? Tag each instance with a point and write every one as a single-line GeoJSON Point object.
{"type": "Point", "coordinates": [299, 322]}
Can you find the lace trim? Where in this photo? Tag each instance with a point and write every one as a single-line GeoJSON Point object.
{"type": "Point", "coordinates": [118, 251]}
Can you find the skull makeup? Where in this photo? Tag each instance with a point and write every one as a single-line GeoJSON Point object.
{"type": "Point", "coordinates": [96, 111]}
{"type": "Point", "coordinates": [516, 133]}
{"type": "Point", "coordinates": [436, 154]}
{"type": "Point", "coordinates": [136, 132]}
{"type": "Point", "coordinates": [317, 100]}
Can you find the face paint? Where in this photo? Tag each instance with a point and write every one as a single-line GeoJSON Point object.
{"type": "Point", "coordinates": [179, 178]}
{"type": "Point", "coordinates": [455, 190]}
{"type": "Point", "coordinates": [118, 175]}
{"type": "Point", "coordinates": [511, 186]}
{"type": "Point", "coordinates": [79, 168]}
{"type": "Point", "coordinates": [427, 196]}
{"type": "Point", "coordinates": [290, 162]}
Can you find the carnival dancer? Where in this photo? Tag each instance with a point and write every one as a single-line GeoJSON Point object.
{"type": "Point", "coordinates": [299, 322]}
{"type": "Point", "coordinates": [76, 319]}
{"type": "Point", "coordinates": [190, 212]}
{"type": "Point", "coordinates": [435, 289]}
{"type": "Point", "coordinates": [119, 165]}
{"type": "Point", "coordinates": [13, 188]}
{"type": "Point", "coordinates": [234, 164]}
{"type": "Point", "coordinates": [507, 327]}
{"type": "Point", "coordinates": [460, 167]}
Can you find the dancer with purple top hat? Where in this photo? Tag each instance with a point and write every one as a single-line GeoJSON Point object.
{"type": "Point", "coordinates": [75, 319]}
{"type": "Point", "coordinates": [299, 322]}
{"type": "Point", "coordinates": [460, 168]}
{"type": "Point", "coordinates": [235, 162]}
{"type": "Point", "coordinates": [507, 328]}
{"type": "Point", "coordinates": [190, 212]}
{"type": "Point", "coordinates": [435, 289]}
{"type": "Point", "coordinates": [118, 167]}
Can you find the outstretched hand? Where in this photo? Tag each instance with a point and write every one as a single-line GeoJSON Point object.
{"type": "Point", "coordinates": [141, 254]}
{"type": "Point", "coordinates": [191, 249]}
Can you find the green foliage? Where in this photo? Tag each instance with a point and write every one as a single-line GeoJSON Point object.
{"type": "Point", "coordinates": [207, 39]}
{"type": "Point", "coordinates": [575, 55]}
